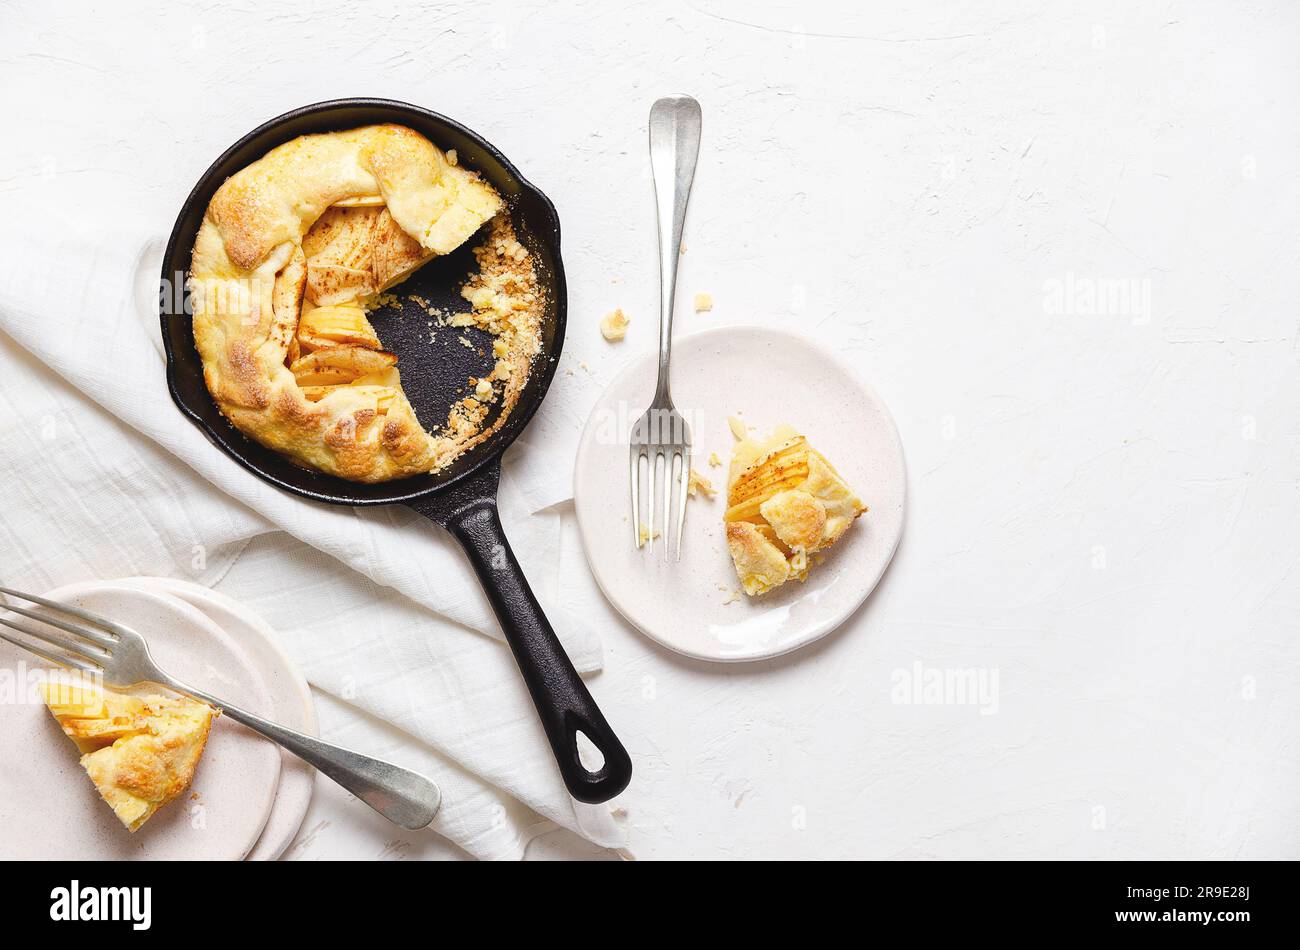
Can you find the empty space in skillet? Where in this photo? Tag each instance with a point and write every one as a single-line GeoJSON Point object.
{"type": "Point", "coordinates": [434, 374]}
{"type": "Point", "coordinates": [436, 367]}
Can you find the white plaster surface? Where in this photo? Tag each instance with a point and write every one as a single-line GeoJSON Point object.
{"type": "Point", "coordinates": [1102, 497]}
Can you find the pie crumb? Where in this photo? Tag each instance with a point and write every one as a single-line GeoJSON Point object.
{"type": "Point", "coordinates": [614, 326]}
{"type": "Point", "coordinates": [733, 595]}
{"type": "Point", "coordinates": [714, 460]}
{"type": "Point", "coordinates": [737, 428]}
{"type": "Point", "coordinates": [703, 303]}
{"type": "Point", "coordinates": [698, 483]}
{"type": "Point", "coordinates": [644, 534]}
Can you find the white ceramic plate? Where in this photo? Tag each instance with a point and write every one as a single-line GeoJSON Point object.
{"type": "Point", "coordinates": [291, 700]}
{"type": "Point", "coordinates": [50, 810]}
{"type": "Point", "coordinates": [765, 377]}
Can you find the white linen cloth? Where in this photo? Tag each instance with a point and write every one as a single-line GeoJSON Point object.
{"type": "Point", "coordinates": [105, 478]}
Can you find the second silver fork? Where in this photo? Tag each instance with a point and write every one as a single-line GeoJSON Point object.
{"type": "Point", "coordinates": [661, 432]}
{"type": "Point", "coordinates": [99, 647]}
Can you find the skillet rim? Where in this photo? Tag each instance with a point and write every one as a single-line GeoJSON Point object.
{"type": "Point", "coordinates": [341, 491]}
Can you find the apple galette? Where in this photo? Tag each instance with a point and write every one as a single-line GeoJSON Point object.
{"type": "Point", "coordinates": [140, 751]}
{"type": "Point", "coordinates": [784, 503]}
{"type": "Point", "coordinates": [292, 253]}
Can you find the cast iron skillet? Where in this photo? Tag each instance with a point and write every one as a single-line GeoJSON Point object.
{"type": "Point", "coordinates": [462, 497]}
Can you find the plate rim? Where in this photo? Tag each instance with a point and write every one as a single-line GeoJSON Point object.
{"type": "Point", "coordinates": [816, 631]}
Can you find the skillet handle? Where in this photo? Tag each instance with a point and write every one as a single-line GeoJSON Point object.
{"type": "Point", "coordinates": [562, 700]}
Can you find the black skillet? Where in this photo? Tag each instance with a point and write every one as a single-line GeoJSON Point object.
{"type": "Point", "coordinates": [462, 497]}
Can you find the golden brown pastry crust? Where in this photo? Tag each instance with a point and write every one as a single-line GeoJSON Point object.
{"type": "Point", "coordinates": [249, 277]}
{"type": "Point", "coordinates": [140, 751]}
{"type": "Point", "coordinates": [760, 565]}
{"type": "Point", "coordinates": [785, 504]}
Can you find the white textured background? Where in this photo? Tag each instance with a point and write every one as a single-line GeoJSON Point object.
{"type": "Point", "coordinates": [1103, 505]}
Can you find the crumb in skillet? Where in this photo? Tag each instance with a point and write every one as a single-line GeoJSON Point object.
{"type": "Point", "coordinates": [507, 303]}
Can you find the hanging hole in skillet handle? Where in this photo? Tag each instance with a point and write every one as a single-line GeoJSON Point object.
{"type": "Point", "coordinates": [589, 754]}
{"type": "Point", "coordinates": [590, 774]}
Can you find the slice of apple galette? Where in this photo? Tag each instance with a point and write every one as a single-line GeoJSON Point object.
{"type": "Point", "coordinates": [785, 502]}
{"type": "Point", "coordinates": [140, 751]}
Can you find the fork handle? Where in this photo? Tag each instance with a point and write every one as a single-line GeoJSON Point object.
{"type": "Point", "coordinates": [404, 797]}
{"type": "Point", "coordinates": [675, 125]}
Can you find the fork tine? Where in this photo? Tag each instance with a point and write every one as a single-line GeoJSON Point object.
{"type": "Point", "coordinates": [650, 498]}
{"type": "Point", "coordinates": [94, 636]}
{"type": "Point", "coordinates": [75, 660]}
{"type": "Point", "coordinates": [681, 500]}
{"type": "Point", "coordinates": [670, 486]}
{"type": "Point", "coordinates": [86, 615]}
{"type": "Point", "coordinates": [636, 501]}
{"type": "Point", "coordinates": [93, 653]}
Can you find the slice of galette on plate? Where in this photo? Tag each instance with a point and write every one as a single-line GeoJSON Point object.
{"type": "Point", "coordinates": [140, 751]}
{"type": "Point", "coordinates": [785, 503]}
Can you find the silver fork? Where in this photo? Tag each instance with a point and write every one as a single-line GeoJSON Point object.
{"type": "Point", "coordinates": [662, 432]}
{"type": "Point", "coordinates": [121, 656]}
